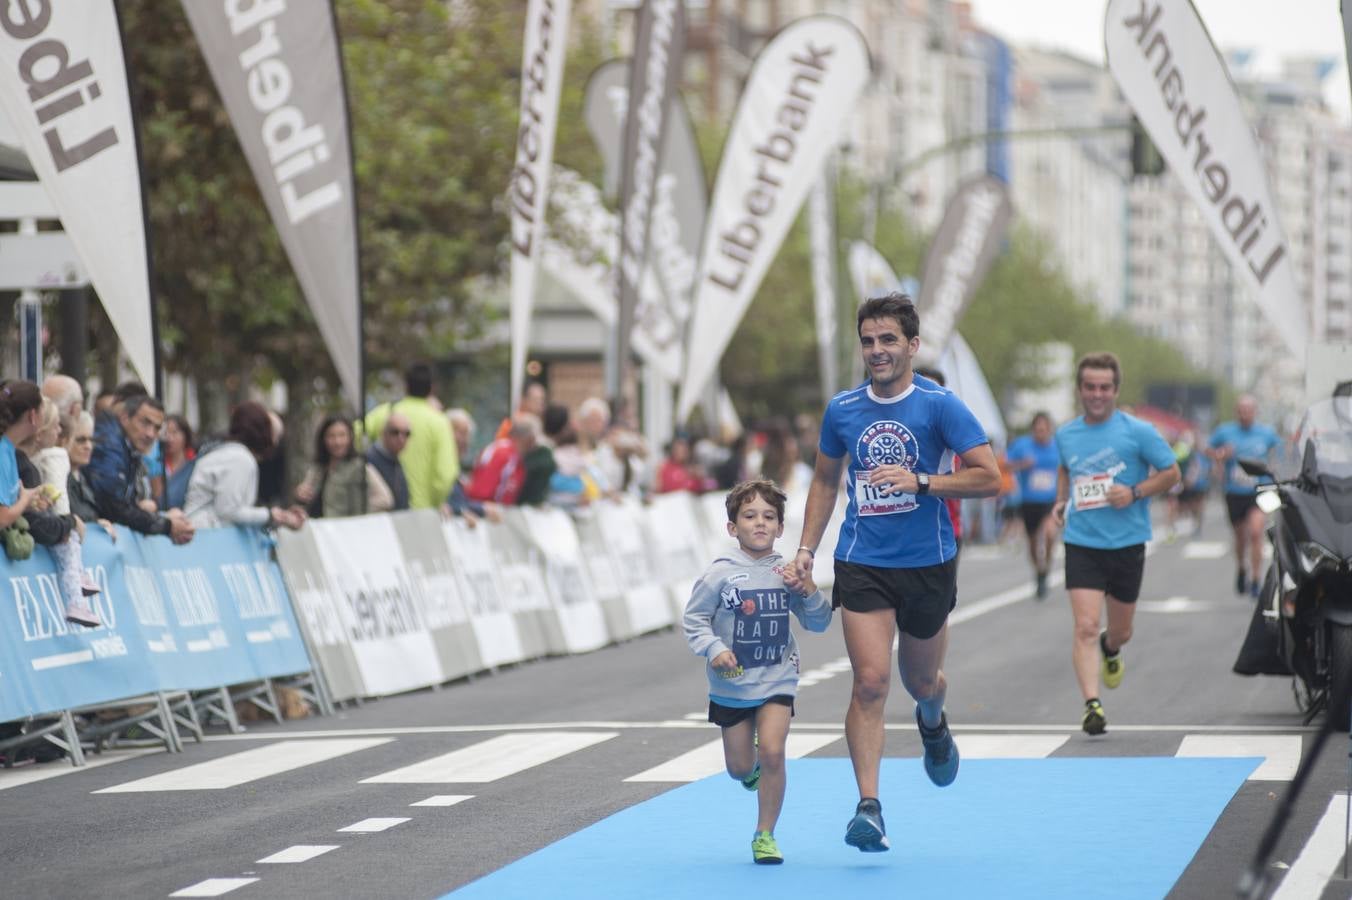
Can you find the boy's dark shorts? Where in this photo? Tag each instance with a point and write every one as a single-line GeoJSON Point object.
{"type": "Point", "coordinates": [1115, 572]}
{"type": "Point", "coordinates": [728, 716]}
{"type": "Point", "coordinates": [921, 597]}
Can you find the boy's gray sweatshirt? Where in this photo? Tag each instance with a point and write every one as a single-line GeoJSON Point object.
{"type": "Point", "coordinates": [741, 604]}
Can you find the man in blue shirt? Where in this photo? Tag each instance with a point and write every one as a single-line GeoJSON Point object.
{"type": "Point", "coordinates": [1033, 457]}
{"type": "Point", "coordinates": [895, 559]}
{"type": "Point", "coordinates": [1231, 441]}
{"type": "Point", "coordinates": [1103, 485]}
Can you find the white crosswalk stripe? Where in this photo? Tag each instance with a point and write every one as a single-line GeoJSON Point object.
{"type": "Point", "coordinates": [213, 887]}
{"type": "Point", "coordinates": [1280, 752]}
{"type": "Point", "coordinates": [1008, 746]}
{"type": "Point", "coordinates": [707, 759]}
{"type": "Point", "coordinates": [240, 768]}
{"type": "Point", "coordinates": [492, 759]}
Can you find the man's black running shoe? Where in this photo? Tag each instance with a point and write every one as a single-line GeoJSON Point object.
{"type": "Point", "coordinates": [866, 830]}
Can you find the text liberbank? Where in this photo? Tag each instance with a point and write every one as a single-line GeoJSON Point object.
{"type": "Point", "coordinates": [738, 244]}
{"type": "Point", "coordinates": [1236, 215]}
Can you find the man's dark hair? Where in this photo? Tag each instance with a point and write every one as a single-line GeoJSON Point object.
{"type": "Point", "coordinates": [418, 380]}
{"type": "Point", "coordinates": [895, 305]}
{"type": "Point", "coordinates": [932, 374]}
{"type": "Point", "coordinates": [132, 405]}
{"type": "Point", "coordinates": [1099, 361]}
{"type": "Point", "coordinates": [252, 427]}
{"type": "Point", "coordinates": [745, 491]}
{"type": "Point", "coordinates": [322, 457]}
{"type": "Point", "coordinates": [128, 389]}
{"type": "Point", "coordinates": [1040, 414]}
{"type": "Point", "coordinates": [556, 419]}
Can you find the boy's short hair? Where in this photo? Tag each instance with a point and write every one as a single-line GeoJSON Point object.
{"type": "Point", "coordinates": [745, 491]}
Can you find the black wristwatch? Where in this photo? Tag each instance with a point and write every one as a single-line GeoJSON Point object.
{"type": "Point", "coordinates": [921, 483]}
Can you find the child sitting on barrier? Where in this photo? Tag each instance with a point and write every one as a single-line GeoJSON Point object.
{"type": "Point", "coordinates": [738, 620]}
{"type": "Point", "coordinates": [46, 450]}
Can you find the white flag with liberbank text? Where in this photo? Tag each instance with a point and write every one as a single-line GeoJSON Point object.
{"type": "Point", "coordinates": [278, 71]}
{"type": "Point", "coordinates": [63, 83]}
{"type": "Point", "coordinates": [801, 89]}
{"type": "Point", "coordinates": [1168, 69]}
{"type": "Point", "coordinates": [542, 57]}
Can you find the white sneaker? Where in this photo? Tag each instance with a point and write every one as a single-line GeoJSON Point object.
{"type": "Point", "coordinates": [82, 615]}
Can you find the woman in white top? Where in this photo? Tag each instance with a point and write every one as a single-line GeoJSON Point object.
{"type": "Point", "coordinates": [223, 487]}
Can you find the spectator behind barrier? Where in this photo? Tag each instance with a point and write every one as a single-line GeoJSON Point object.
{"type": "Point", "coordinates": [66, 393]}
{"type": "Point", "coordinates": [678, 471]}
{"type": "Point", "coordinates": [383, 455]}
{"type": "Point", "coordinates": [462, 428]}
{"type": "Point", "coordinates": [79, 447]}
{"type": "Point", "coordinates": [150, 482]}
{"type": "Point", "coordinates": [179, 450]}
{"type": "Point", "coordinates": [534, 400]}
{"type": "Point", "coordinates": [500, 473]}
{"type": "Point", "coordinates": [572, 485]}
{"type": "Point", "coordinates": [121, 436]}
{"type": "Point", "coordinates": [430, 460]}
{"type": "Point", "coordinates": [224, 480]}
{"type": "Point", "coordinates": [333, 485]}
{"type": "Point", "coordinates": [539, 461]}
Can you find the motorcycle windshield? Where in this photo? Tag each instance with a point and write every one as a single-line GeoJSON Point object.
{"type": "Point", "coordinates": [1325, 438]}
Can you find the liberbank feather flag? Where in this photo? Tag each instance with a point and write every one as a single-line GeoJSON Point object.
{"type": "Point", "coordinates": [654, 77]}
{"type": "Point", "coordinates": [802, 87]}
{"type": "Point", "coordinates": [821, 230]}
{"type": "Point", "coordinates": [680, 204]}
{"type": "Point", "coordinates": [542, 56]}
{"type": "Point", "coordinates": [1169, 71]}
{"type": "Point", "coordinates": [959, 256]}
{"type": "Point", "coordinates": [279, 74]}
{"type": "Point", "coordinates": [63, 83]}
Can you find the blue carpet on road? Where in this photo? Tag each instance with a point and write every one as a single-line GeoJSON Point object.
{"type": "Point", "coordinates": [1006, 828]}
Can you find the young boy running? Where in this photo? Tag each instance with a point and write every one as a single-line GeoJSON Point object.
{"type": "Point", "coordinates": [738, 620]}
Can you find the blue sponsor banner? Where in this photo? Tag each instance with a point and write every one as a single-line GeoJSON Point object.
{"type": "Point", "coordinates": [209, 613]}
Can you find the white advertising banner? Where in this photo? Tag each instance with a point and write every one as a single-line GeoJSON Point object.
{"type": "Point", "coordinates": [542, 58]}
{"type": "Point", "coordinates": [801, 90]}
{"type": "Point", "coordinates": [279, 72]}
{"type": "Point", "coordinates": [472, 561]}
{"type": "Point", "coordinates": [365, 567]}
{"type": "Point", "coordinates": [573, 621]}
{"type": "Point", "coordinates": [63, 84]}
{"type": "Point", "coordinates": [1169, 71]}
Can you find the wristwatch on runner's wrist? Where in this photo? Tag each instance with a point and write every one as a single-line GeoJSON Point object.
{"type": "Point", "coordinates": [922, 483]}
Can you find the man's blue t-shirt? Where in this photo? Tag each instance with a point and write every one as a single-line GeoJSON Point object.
{"type": "Point", "coordinates": [9, 473]}
{"type": "Point", "coordinates": [1121, 450]}
{"type": "Point", "coordinates": [1038, 483]}
{"type": "Point", "coordinates": [1254, 442]}
{"type": "Point", "coordinates": [914, 430]}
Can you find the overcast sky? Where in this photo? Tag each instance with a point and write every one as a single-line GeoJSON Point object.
{"type": "Point", "coordinates": [1271, 28]}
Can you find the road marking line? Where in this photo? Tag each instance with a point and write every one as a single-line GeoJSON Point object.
{"type": "Point", "coordinates": [12, 778]}
{"type": "Point", "coordinates": [707, 759]}
{"type": "Point", "coordinates": [213, 887]}
{"type": "Point", "coordinates": [444, 800]}
{"type": "Point", "coordinates": [492, 759]}
{"type": "Point", "coordinates": [1281, 753]}
{"type": "Point", "coordinates": [371, 826]}
{"type": "Point", "coordinates": [1319, 858]}
{"type": "Point", "coordinates": [239, 768]}
{"type": "Point", "coordinates": [299, 853]}
{"type": "Point", "coordinates": [1204, 550]}
{"type": "Point", "coordinates": [1009, 746]}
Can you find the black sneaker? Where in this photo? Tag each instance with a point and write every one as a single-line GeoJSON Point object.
{"type": "Point", "coordinates": [941, 754]}
{"type": "Point", "coordinates": [1094, 722]}
{"type": "Point", "coordinates": [866, 830]}
{"type": "Point", "coordinates": [1241, 583]}
{"type": "Point", "coordinates": [1042, 586]}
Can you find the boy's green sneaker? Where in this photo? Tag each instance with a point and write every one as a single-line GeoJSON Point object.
{"type": "Point", "coordinates": [764, 850]}
{"type": "Point", "coordinates": [752, 781]}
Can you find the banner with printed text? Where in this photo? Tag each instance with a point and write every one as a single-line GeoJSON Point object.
{"type": "Point", "coordinates": [63, 84]}
{"type": "Point", "coordinates": [279, 73]}
{"type": "Point", "coordinates": [801, 90]}
{"type": "Point", "coordinates": [1168, 69]}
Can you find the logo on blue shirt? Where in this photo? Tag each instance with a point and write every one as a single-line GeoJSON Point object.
{"type": "Point", "coordinates": [888, 443]}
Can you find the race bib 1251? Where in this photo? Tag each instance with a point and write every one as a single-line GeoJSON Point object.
{"type": "Point", "coordinates": [1091, 491]}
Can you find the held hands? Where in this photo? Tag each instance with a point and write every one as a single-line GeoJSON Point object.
{"type": "Point", "coordinates": [894, 479]}
{"type": "Point", "coordinates": [798, 578]}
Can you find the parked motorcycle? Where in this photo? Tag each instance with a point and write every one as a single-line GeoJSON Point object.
{"type": "Point", "coordinates": [1306, 600]}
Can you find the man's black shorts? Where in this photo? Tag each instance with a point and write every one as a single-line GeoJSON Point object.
{"type": "Point", "coordinates": [1238, 506]}
{"type": "Point", "coordinates": [1115, 572]}
{"type": "Point", "coordinates": [921, 597]}
{"type": "Point", "coordinates": [1033, 516]}
{"type": "Point", "coordinates": [728, 716]}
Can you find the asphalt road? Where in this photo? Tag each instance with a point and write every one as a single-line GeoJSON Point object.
{"type": "Point", "coordinates": [627, 709]}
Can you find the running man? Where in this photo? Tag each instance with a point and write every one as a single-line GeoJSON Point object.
{"type": "Point", "coordinates": [1244, 438]}
{"type": "Point", "coordinates": [1034, 459]}
{"type": "Point", "coordinates": [1103, 486]}
{"type": "Point", "coordinates": [895, 563]}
